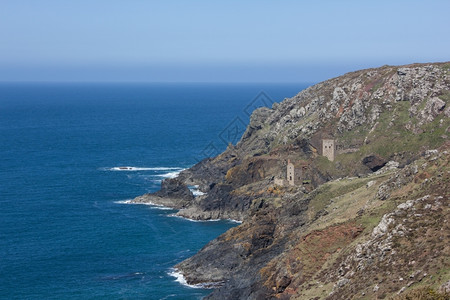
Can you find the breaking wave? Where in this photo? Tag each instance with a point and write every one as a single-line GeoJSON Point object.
{"type": "Point", "coordinates": [171, 174]}
{"type": "Point", "coordinates": [152, 205]}
{"type": "Point", "coordinates": [196, 191]}
{"type": "Point", "coordinates": [128, 168]}
{"type": "Point", "coordinates": [179, 277]}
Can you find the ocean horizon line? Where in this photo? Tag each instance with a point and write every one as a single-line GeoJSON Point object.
{"type": "Point", "coordinates": [152, 82]}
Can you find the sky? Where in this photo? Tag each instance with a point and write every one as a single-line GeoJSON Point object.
{"type": "Point", "coordinates": [215, 41]}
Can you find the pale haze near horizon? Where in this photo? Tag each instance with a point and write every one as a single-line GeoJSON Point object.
{"type": "Point", "coordinates": [212, 41]}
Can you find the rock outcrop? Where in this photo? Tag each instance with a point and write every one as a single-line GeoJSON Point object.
{"type": "Point", "coordinates": [337, 232]}
{"type": "Point", "coordinates": [173, 193]}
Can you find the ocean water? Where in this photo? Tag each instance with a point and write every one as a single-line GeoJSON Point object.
{"type": "Point", "coordinates": [66, 231]}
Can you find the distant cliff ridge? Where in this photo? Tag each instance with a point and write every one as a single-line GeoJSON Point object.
{"type": "Point", "coordinates": [342, 190]}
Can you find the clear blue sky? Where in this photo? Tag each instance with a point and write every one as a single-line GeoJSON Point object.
{"type": "Point", "coordinates": [207, 40]}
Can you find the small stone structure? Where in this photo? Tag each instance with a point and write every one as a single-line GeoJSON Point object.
{"type": "Point", "coordinates": [279, 181]}
{"type": "Point", "coordinates": [294, 174]}
{"type": "Point", "coordinates": [329, 146]}
{"type": "Point", "coordinates": [328, 149]}
{"type": "Point", "coordinates": [290, 175]}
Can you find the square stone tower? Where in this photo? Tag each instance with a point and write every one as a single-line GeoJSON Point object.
{"type": "Point", "coordinates": [328, 149]}
{"type": "Point", "coordinates": [290, 173]}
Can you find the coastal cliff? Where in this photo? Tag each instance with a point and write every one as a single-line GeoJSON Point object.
{"type": "Point", "coordinates": [365, 212]}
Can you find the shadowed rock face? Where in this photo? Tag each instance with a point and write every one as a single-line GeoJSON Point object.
{"type": "Point", "coordinates": [310, 241]}
{"type": "Point", "coordinates": [173, 193]}
{"type": "Point", "coordinates": [374, 162]}
{"type": "Point", "coordinates": [174, 188]}
{"type": "Point", "coordinates": [236, 257]}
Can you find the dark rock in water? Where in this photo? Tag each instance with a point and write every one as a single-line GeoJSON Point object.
{"type": "Point", "coordinates": [374, 162]}
{"type": "Point", "coordinates": [174, 188]}
{"type": "Point", "coordinates": [173, 193]}
{"type": "Point", "coordinates": [210, 171]}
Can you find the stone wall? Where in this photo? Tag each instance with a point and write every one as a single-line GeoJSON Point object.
{"type": "Point", "coordinates": [279, 181]}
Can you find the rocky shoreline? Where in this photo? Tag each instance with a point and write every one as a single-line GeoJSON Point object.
{"type": "Point", "coordinates": [304, 237]}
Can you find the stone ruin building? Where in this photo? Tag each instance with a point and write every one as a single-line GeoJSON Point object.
{"type": "Point", "coordinates": [328, 149]}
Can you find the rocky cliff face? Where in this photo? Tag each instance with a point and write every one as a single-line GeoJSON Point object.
{"type": "Point", "coordinates": [339, 230]}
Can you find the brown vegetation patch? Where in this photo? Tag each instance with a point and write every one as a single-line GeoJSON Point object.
{"type": "Point", "coordinates": [252, 170]}
{"type": "Point", "coordinates": [304, 259]}
{"type": "Point", "coordinates": [424, 293]}
{"type": "Point", "coordinates": [421, 177]}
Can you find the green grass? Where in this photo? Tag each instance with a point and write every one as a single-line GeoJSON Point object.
{"type": "Point", "coordinates": [445, 96]}
{"type": "Point", "coordinates": [379, 83]}
{"type": "Point", "coordinates": [386, 139]}
{"type": "Point", "coordinates": [446, 67]}
{"type": "Point", "coordinates": [321, 200]}
{"type": "Point", "coordinates": [332, 190]}
{"type": "Point", "coordinates": [324, 164]}
{"type": "Point", "coordinates": [371, 219]}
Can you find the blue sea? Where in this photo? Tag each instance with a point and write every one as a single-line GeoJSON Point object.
{"type": "Point", "coordinates": [66, 231]}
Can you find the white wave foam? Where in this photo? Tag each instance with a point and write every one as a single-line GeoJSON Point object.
{"type": "Point", "coordinates": [234, 221]}
{"type": "Point", "coordinates": [129, 201]}
{"type": "Point", "coordinates": [210, 220]}
{"type": "Point", "coordinates": [128, 168]}
{"type": "Point", "coordinates": [196, 191]}
{"type": "Point", "coordinates": [152, 205]}
{"type": "Point", "coordinates": [160, 207]}
{"type": "Point", "coordinates": [184, 218]}
{"type": "Point", "coordinates": [171, 174]}
{"type": "Point", "coordinates": [179, 277]}
{"type": "Point", "coordinates": [155, 180]}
